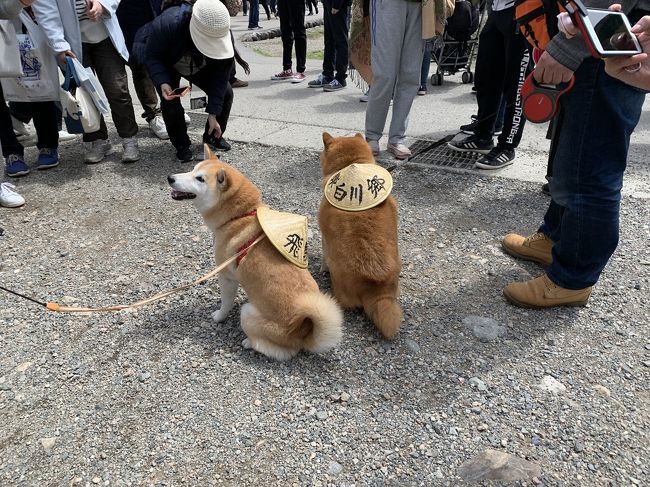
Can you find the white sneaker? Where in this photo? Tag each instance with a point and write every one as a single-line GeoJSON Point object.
{"type": "Point", "coordinates": [96, 151]}
{"type": "Point", "coordinates": [8, 197]}
{"type": "Point", "coordinates": [131, 153]}
{"type": "Point", "coordinates": [400, 151]}
{"type": "Point", "coordinates": [158, 127]}
{"type": "Point", "coordinates": [65, 136]}
{"type": "Point", "coordinates": [365, 96]}
{"type": "Point", "coordinates": [188, 120]}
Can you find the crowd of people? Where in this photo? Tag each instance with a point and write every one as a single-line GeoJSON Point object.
{"type": "Point", "coordinates": [382, 43]}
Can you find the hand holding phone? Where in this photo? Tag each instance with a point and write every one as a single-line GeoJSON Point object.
{"type": "Point", "coordinates": [608, 33]}
{"type": "Point", "coordinates": [181, 91]}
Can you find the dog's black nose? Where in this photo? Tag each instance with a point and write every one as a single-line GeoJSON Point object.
{"type": "Point", "coordinates": [170, 179]}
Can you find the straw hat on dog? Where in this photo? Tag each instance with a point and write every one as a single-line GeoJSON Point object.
{"type": "Point", "coordinates": [358, 187]}
{"type": "Point", "coordinates": [287, 232]}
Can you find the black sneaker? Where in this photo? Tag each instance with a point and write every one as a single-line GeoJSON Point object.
{"type": "Point", "coordinates": [184, 154]}
{"type": "Point", "coordinates": [217, 144]}
{"type": "Point", "coordinates": [472, 144]}
{"type": "Point", "coordinates": [469, 128]}
{"type": "Point", "coordinates": [496, 159]}
{"type": "Point", "coordinates": [546, 189]}
{"type": "Point", "coordinates": [222, 144]}
{"type": "Point", "coordinates": [319, 82]}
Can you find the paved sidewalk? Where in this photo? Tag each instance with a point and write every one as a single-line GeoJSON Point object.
{"type": "Point", "coordinates": [290, 115]}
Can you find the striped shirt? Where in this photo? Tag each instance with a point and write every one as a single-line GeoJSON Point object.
{"type": "Point", "coordinates": [91, 32]}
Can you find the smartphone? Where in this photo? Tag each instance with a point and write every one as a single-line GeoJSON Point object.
{"type": "Point", "coordinates": [609, 34]}
{"type": "Point", "coordinates": [182, 91]}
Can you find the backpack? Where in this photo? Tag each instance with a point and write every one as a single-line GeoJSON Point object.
{"type": "Point", "coordinates": [464, 22]}
{"type": "Point", "coordinates": [537, 20]}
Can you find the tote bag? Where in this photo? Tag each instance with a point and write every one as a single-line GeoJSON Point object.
{"type": "Point", "coordinates": [39, 81]}
{"type": "Point", "coordinates": [9, 54]}
{"type": "Point", "coordinates": [79, 111]}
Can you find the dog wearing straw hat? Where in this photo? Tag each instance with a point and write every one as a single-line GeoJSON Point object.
{"type": "Point", "coordinates": [358, 223]}
{"type": "Point", "coordinates": [286, 312]}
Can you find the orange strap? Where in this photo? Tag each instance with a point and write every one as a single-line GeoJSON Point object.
{"type": "Point", "coordinates": [72, 309]}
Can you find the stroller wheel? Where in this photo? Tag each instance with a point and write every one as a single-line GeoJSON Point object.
{"type": "Point", "coordinates": [436, 79]}
{"type": "Point", "coordinates": [468, 77]}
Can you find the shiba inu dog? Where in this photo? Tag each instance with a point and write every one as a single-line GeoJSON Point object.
{"type": "Point", "coordinates": [285, 312]}
{"type": "Point", "coordinates": [358, 223]}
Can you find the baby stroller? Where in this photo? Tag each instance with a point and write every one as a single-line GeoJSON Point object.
{"type": "Point", "coordinates": [454, 51]}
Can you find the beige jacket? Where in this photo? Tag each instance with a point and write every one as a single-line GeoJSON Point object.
{"type": "Point", "coordinates": [434, 16]}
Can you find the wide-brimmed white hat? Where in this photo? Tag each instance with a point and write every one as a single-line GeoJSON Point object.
{"type": "Point", "coordinates": [358, 187]}
{"type": "Point", "coordinates": [210, 29]}
{"type": "Point", "coordinates": [287, 232]}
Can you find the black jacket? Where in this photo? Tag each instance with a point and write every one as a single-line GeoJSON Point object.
{"type": "Point", "coordinates": [163, 42]}
{"type": "Point", "coordinates": [133, 14]}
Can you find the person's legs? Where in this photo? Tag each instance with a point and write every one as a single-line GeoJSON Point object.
{"type": "Point", "coordinates": [244, 4]}
{"type": "Point", "coordinates": [265, 4]}
{"type": "Point", "coordinates": [89, 51]}
{"type": "Point", "coordinates": [111, 72]}
{"type": "Point", "coordinates": [385, 59]}
{"type": "Point", "coordinates": [254, 14]}
{"type": "Point", "coordinates": [10, 145]}
{"type": "Point", "coordinates": [145, 90]}
{"type": "Point", "coordinates": [408, 77]}
{"type": "Point", "coordinates": [329, 51]}
{"type": "Point", "coordinates": [297, 18]}
{"type": "Point", "coordinates": [173, 115]}
{"type": "Point", "coordinates": [46, 117]}
{"type": "Point", "coordinates": [339, 27]}
{"type": "Point", "coordinates": [588, 173]}
{"type": "Point", "coordinates": [490, 66]}
{"type": "Point", "coordinates": [517, 68]}
{"type": "Point", "coordinates": [426, 65]}
{"type": "Point", "coordinates": [286, 33]}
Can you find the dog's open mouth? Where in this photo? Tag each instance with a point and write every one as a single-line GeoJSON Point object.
{"type": "Point", "coordinates": [180, 195]}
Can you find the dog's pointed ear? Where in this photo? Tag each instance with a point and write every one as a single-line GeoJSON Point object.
{"type": "Point", "coordinates": [327, 140]}
{"type": "Point", "coordinates": [222, 180]}
{"type": "Point", "coordinates": [207, 153]}
{"type": "Point", "coordinates": [360, 135]}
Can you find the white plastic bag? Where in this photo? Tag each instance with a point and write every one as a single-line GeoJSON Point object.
{"type": "Point", "coordinates": [39, 81]}
{"type": "Point", "coordinates": [9, 54]}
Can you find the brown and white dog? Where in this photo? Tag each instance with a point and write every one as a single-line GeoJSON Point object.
{"type": "Point", "coordinates": [360, 247]}
{"type": "Point", "coordinates": [285, 312]}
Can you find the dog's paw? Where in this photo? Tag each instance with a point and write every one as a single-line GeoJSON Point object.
{"type": "Point", "coordinates": [246, 343]}
{"type": "Point", "coordinates": [219, 316]}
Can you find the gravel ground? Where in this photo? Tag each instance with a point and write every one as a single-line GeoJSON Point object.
{"type": "Point", "coordinates": [164, 396]}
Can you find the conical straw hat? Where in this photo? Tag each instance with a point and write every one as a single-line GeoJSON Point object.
{"type": "Point", "coordinates": [287, 232]}
{"type": "Point", "coordinates": [358, 187]}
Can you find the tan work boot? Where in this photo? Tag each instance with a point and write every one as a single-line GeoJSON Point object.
{"type": "Point", "coordinates": [537, 247]}
{"type": "Point", "coordinates": [541, 292]}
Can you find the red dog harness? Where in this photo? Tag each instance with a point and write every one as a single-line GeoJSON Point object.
{"type": "Point", "coordinates": [244, 248]}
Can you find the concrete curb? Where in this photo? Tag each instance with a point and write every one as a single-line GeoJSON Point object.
{"type": "Point", "coordinates": [273, 33]}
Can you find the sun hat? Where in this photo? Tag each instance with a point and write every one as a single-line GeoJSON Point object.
{"type": "Point", "coordinates": [358, 187]}
{"type": "Point", "coordinates": [287, 232]}
{"type": "Point", "coordinates": [210, 29]}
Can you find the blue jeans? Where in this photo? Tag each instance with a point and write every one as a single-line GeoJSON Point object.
{"type": "Point", "coordinates": [426, 64]}
{"type": "Point", "coordinates": [583, 217]}
{"type": "Point", "coordinates": [253, 13]}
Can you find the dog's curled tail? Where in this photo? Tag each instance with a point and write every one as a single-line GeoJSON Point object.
{"type": "Point", "coordinates": [320, 322]}
{"type": "Point", "coordinates": [385, 312]}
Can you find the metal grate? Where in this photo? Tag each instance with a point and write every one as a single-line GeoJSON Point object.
{"type": "Point", "coordinates": [442, 155]}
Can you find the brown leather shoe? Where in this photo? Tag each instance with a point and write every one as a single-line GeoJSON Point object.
{"type": "Point", "coordinates": [238, 83]}
{"type": "Point", "coordinates": [537, 247]}
{"type": "Point", "coordinates": [541, 292]}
